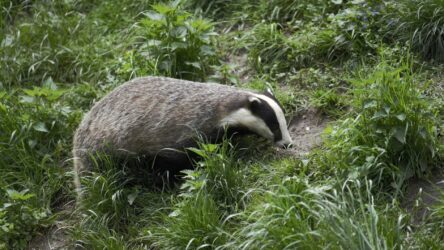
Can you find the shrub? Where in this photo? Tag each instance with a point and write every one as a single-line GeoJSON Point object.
{"type": "Point", "coordinates": [392, 135]}
{"type": "Point", "coordinates": [182, 46]}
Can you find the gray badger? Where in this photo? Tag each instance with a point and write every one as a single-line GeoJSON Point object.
{"type": "Point", "coordinates": [158, 117]}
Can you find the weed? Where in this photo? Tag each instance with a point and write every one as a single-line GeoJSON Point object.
{"type": "Point", "coordinates": [393, 133]}
{"type": "Point", "coordinates": [195, 223]}
{"type": "Point", "coordinates": [181, 46]}
{"type": "Point", "coordinates": [20, 218]}
{"type": "Point", "coordinates": [218, 173]}
{"type": "Point", "coordinates": [329, 101]}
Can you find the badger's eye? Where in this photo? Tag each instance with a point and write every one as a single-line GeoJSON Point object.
{"type": "Point", "coordinates": [277, 135]}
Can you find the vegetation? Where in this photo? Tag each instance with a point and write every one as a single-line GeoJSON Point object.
{"type": "Point", "coordinates": [372, 68]}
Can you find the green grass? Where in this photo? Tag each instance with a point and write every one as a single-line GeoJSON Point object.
{"type": "Point", "coordinates": [361, 64]}
{"type": "Point", "coordinates": [392, 134]}
{"type": "Point", "coordinates": [420, 23]}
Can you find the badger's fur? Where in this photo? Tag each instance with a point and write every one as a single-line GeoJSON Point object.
{"type": "Point", "coordinates": [151, 115]}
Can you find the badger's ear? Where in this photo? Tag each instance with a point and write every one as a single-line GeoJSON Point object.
{"type": "Point", "coordinates": [268, 92]}
{"type": "Point", "coordinates": [253, 102]}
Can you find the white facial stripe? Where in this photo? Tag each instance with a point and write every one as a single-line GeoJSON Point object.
{"type": "Point", "coordinates": [286, 139]}
{"type": "Point", "coordinates": [244, 117]}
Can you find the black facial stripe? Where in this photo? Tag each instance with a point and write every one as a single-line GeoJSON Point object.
{"type": "Point", "coordinates": [268, 94]}
{"type": "Point", "coordinates": [264, 111]}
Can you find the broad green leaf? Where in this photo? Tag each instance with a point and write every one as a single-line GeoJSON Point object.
{"type": "Point", "coordinates": [40, 126]}
{"type": "Point", "coordinates": [50, 84]}
{"type": "Point", "coordinates": [162, 8]}
{"type": "Point", "coordinates": [400, 134]}
{"type": "Point", "coordinates": [370, 104]}
{"type": "Point", "coordinates": [194, 64]}
{"type": "Point", "coordinates": [197, 151]}
{"type": "Point", "coordinates": [132, 197]}
{"type": "Point", "coordinates": [15, 195]}
{"type": "Point", "coordinates": [401, 117]}
{"type": "Point", "coordinates": [379, 114]}
{"type": "Point", "coordinates": [154, 15]}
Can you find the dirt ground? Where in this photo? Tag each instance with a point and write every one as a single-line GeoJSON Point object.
{"type": "Point", "coordinates": [305, 130]}
{"type": "Point", "coordinates": [422, 195]}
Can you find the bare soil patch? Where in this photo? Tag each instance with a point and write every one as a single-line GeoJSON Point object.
{"type": "Point", "coordinates": [422, 195]}
{"type": "Point", "coordinates": [306, 129]}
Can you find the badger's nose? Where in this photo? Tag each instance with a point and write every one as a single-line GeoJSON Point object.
{"type": "Point", "coordinates": [284, 145]}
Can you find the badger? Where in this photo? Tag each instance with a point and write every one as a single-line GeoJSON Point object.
{"type": "Point", "coordinates": [159, 117]}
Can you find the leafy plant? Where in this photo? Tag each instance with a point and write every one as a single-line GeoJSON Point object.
{"type": "Point", "coordinates": [218, 173]}
{"type": "Point", "coordinates": [195, 223]}
{"type": "Point", "coordinates": [392, 135]}
{"type": "Point", "coordinates": [19, 218]}
{"type": "Point", "coordinates": [181, 45]}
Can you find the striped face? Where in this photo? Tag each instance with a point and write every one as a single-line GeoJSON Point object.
{"type": "Point", "coordinates": [263, 116]}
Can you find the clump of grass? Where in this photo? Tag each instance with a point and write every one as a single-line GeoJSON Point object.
{"type": "Point", "coordinates": [281, 220]}
{"type": "Point", "coordinates": [352, 220]}
{"type": "Point", "coordinates": [421, 23]}
{"type": "Point", "coordinates": [218, 173]}
{"type": "Point", "coordinates": [182, 46]}
{"type": "Point", "coordinates": [213, 8]}
{"type": "Point", "coordinates": [283, 11]}
{"type": "Point", "coordinates": [209, 193]}
{"type": "Point", "coordinates": [272, 51]}
{"type": "Point", "coordinates": [392, 135]}
{"type": "Point", "coordinates": [106, 205]}
{"type": "Point", "coordinates": [295, 214]}
{"type": "Point", "coordinates": [329, 101]}
{"type": "Point", "coordinates": [349, 31]}
{"type": "Point", "coordinates": [195, 223]}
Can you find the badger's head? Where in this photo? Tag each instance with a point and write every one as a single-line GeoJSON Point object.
{"type": "Point", "coordinates": [263, 115]}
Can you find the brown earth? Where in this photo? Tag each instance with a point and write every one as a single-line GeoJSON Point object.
{"type": "Point", "coordinates": [422, 195]}
{"type": "Point", "coordinates": [306, 129]}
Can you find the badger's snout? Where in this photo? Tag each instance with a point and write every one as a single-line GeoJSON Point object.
{"type": "Point", "coordinates": [284, 144]}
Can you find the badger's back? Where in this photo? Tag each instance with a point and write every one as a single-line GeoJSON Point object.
{"type": "Point", "coordinates": [148, 114]}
